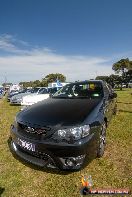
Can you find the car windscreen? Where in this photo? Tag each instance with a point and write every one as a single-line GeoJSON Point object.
{"type": "Point", "coordinates": [80, 90]}
{"type": "Point", "coordinates": [53, 90]}
{"type": "Point", "coordinates": [43, 91]}
{"type": "Point", "coordinates": [13, 91]}
{"type": "Point", "coordinates": [34, 90]}
{"type": "Point", "coordinates": [23, 91]}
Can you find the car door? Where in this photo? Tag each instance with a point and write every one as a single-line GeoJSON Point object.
{"type": "Point", "coordinates": [108, 103]}
{"type": "Point", "coordinates": [112, 97]}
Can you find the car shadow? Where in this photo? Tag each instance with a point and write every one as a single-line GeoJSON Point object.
{"type": "Point", "coordinates": [118, 90]}
{"type": "Point", "coordinates": [11, 104]}
{"type": "Point", "coordinates": [1, 190]}
{"type": "Point", "coordinates": [123, 102]}
{"type": "Point", "coordinates": [45, 169]}
{"type": "Point", "coordinates": [121, 110]}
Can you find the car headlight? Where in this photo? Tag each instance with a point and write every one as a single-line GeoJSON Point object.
{"type": "Point", "coordinates": [19, 99]}
{"type": "Point", "coordinates": [72, 133]}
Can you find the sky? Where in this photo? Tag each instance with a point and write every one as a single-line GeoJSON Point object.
{"type": "Point", "coordinates": [78, 38]}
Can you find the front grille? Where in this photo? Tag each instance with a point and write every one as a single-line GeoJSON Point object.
{"type": "Point", "coordinates": [33, 132]}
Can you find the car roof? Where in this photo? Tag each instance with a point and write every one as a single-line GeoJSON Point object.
{"type": "Point", "coordinates": [88, 81]}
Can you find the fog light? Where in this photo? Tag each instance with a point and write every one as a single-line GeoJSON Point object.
{"type": "Point", "coordinates": [73, 161]}
{"type": "Point", "coordinates": [80, 159]}
{"type": "Point", "coordinates": [70, 162]}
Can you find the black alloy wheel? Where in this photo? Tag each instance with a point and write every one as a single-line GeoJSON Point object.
{"type": "Point", "coordinates": [102, 141]}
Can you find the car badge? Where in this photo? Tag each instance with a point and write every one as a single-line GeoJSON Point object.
{"type": "Point", "coordinates": [30, 130]}
{"type": "Point", "coordinates": [41, 131]}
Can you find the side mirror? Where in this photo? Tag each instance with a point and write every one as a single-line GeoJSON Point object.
{"type": "Point", "coordinates": [113, 95]}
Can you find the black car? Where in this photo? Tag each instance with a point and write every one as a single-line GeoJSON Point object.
{"type": "Point", "coordinates": [67, 130]}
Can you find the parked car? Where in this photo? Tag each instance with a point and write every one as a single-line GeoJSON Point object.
{"type": "Point", "coordinates": [34, 98]}
{"type": "Point", "coordinates": [31, 99]}
{"type": "Point", "coordinates": [12, 93]}
{"type": "Point", "coordinates": [130, 84]}
{"type": "Point", "coordinates": [1, 95]}
{"type": "Point", "coordinates": [66, 130]}
{"type": "Point", "coordinates": [124, 85]}
{"type": "Point", "coordinates": [53, 90]}
{"type": "Point", "coordinates": [16, 99]}
{"type": "Point", "coordinates": [1, 92]}
{"type": "Point", "coordinates": [15, 87]}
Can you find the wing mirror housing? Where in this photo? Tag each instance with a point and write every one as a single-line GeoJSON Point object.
{"type": "Point", "coordinates": [113, 95]}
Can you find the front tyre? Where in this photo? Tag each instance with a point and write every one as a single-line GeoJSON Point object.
{"type": "Point", "coordinates": [102, 141]}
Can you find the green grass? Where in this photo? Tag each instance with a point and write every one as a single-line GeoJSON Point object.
{"type": "Point", "coordinates": [113, 170]}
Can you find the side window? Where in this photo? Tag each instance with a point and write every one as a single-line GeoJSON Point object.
{"type": "Point", "coordinates": [111, 91]}
{"type": "Point", "coordinates": [43, 91]}
{"type": "Point", "coordinates": [106, 90]}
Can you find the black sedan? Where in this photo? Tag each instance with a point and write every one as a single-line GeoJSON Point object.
{"type": "Point", "coordinates": [66, 130]}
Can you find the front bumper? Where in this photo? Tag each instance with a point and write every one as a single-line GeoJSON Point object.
{"type": "Point", "coordinates": [39, 160]}
{"type": "Point", "coordinates": [15, 102]}
{"type": "Point", "coordinates": [54, 155]}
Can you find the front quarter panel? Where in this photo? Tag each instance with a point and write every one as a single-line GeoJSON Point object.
{"type": "Point", "coordinates": [96, 117]}
{"type": "Point", "coordinates": [95, 120]}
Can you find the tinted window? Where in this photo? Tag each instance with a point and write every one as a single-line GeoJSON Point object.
{"type": "Point", "coordinates": [83, 90]}
{"type": "Point", "coordinates": [43, 91]}
{"type": "Point", "coordinates": [23, 91]}
{"type": "Point", "coordinates": [35, 90]}
{"type": "Point", "coordinates": [53, 90]}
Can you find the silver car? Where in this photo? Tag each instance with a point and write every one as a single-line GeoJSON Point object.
{"type": "Point", "coordinates": [16, 99]}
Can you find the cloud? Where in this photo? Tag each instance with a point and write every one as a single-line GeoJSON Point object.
{"type": "Point", "coordinates": [11, 44]}
{"type": "Point", "coordinates": [34, 63]}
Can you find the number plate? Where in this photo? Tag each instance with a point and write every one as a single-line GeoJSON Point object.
{"type": "Point", "coordinates": [26, 145]}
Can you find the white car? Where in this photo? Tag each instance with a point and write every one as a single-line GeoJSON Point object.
{"type": "Point", "coordinates": [16, 99]}
{"type": "Point", "coordinates": [41, 95]}
{"type": "Point", "coordinates": [34, 98]}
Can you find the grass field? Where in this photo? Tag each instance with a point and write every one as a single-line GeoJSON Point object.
{"type": "Point", "coordinates": [113, 170]}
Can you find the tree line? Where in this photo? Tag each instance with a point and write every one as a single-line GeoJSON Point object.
{"type": "Point", "coordinates": [45, 81]}
{"type": "Point", "coordinates": [122, 68]}
{"type": "Point", "coordinates": [123, 73]}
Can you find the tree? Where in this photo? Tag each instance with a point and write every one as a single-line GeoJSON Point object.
{"type": "Point", "coordinates": [6, 84]}
{"type": "Point", "coordinates": [36, 83]}
{"type": "Point", "coordinates": [26, 84]}
{"type": "Point", "coordinates": [44, 82]}
{"type": "Point", "coordinates": [112, 79]}
{"type": "Point", "coordinates": [115, 80]}
{"type": "Point", "coordinates": [128, 76]}
{"type": "Point", "coordinates": [53, 77]}
{"type": "Point", "coordinates": [122, 67]}
{"type": "Point", "coordinates": [104, 78]}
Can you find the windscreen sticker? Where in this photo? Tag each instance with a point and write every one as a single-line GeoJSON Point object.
{"type": "Point", "coordinates": [92, 86]}
{"type": "Point", "coordinates": [85, 86]}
